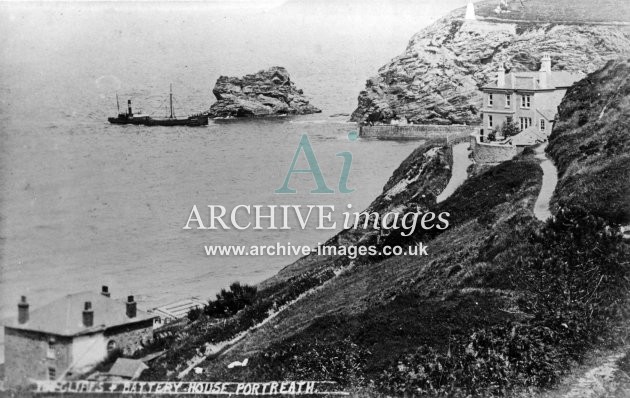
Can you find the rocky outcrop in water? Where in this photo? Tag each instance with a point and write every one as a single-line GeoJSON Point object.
{"type": "Point", "coordinates": [437, 79]}
{"type": "Point", "coordinates": [266, 93]}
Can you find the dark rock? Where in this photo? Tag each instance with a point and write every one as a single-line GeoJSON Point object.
{"type": "Point", "coordinates": [266, 93]}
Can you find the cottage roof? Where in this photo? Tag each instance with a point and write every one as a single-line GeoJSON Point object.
{"type": "Point", "coordinates": [127, 368]}
{"type": "Point", "coordinates": [64, 316]}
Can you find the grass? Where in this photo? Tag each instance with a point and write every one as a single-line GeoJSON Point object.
{"type": "Point", "coordinates": [494, 310]}
{"type": "Point", "coordinates": [503, 305]}
{"type": "Point", "coordinates": [591, 147]}
{"type": "Point", "coordinates": [580, 11]}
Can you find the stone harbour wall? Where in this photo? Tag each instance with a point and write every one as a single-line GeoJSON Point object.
{"type": "Point", "coordinates": [417, 132]}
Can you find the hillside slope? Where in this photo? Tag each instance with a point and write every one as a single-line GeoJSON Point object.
{"type": "Point", "coordinates": [437, 79]}
{"type": "Point", "coordinates": [504, 303]}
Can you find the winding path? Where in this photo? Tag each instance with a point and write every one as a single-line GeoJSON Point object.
{"type": "Point", "coordinates": [459, 172]}
{"type": "Point", "coordinates": [549, 182]}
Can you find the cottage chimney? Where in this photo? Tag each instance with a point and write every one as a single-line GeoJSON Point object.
{"type": "Point", "coordinates": [88, 314]}
{"type": "Point", "coordinates": [501, 76]}
{"type": "Point", "coordinates": [131, 307]}
{"type": "Point", "coordinates": [22, 311]}
{"type": "Point", "coordinates": [105, 291]}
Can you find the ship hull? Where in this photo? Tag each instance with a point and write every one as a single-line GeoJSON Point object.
{"type": "Point", "coordinates": [192, 121]}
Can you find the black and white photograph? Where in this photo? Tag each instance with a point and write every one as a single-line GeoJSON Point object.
{"type": "Point", "coordinates": [315, 198]}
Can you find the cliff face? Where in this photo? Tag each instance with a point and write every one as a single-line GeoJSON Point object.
{"type": "Point", "coordinates": [437, 79]}
{"type": "Point", "coordinates": [266, 93]}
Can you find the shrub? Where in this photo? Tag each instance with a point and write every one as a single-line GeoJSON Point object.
{"type": "Point", "coordinates": [194, 314]}
{"type": "Point", "coordinates": [229, 302]}
{"type": "Point", "coordinates": [509, 129]}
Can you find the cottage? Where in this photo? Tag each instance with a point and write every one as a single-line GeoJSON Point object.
{"type": "Point", "coordinates": [71, 335]}
{"type": "Point", "coordinates": [530, 99]}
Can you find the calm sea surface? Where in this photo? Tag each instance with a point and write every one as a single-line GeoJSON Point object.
{"type": "Point", "coordinates": [84, 203]}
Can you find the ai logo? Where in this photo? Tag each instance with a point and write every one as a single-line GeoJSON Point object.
{"type": "Point", "coordinates": [305, 147]}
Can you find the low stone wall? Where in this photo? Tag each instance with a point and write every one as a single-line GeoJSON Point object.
{"type": "Point", "coordinates": [485, 153]}
{"type": "Point", "coordinates": [453, 139]}
{"type": "Point", "coordinates": [417, 132]}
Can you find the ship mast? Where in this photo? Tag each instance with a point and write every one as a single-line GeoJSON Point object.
{"type": "Point", "coordinates": [117, 104]}
{"type": "Point", "coordinates": [171, 98]}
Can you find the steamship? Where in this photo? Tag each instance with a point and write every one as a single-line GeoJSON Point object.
{"type": "Point", "coordinates": [199, 119]}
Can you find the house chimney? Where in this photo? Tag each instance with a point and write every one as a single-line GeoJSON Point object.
{"type": "Point", "coordinates": [105, 291]}
{"type": "Point", "coordinates": [22, 311]}
{"type": "Point", "coordinates": [545, 63]}
{"type": "Point", "coordinates": [88, 314]}
{"type": "Point", "coordinates": [542, 79]}
{"type": "Point", "coordinates": [545, 69]}
{"type": "Point", "coordinates": [131, 307]}
{"type": "Point", "coordinates": [501, 76]}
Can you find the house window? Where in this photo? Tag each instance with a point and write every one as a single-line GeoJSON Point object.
{"type": "Point", "coordinates": [542, 124]}
{"type": "Point", "coordinates": [489, 120]}
{"type": "Point", "coordinates": [52, 374]}
{"type": "Point", "coordinates": [50, 352]}
{"type": "Point", "coordinates": [525, 122]}
{"type": "Point", "coordinates": [490, 100]}
{"type": "Point", "coordinates": [525, 101]}
{"type": "Point", "coordinates": [508, 100]}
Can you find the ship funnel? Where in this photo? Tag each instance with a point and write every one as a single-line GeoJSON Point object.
{"type": "Point", "coordinates": [129, 108]}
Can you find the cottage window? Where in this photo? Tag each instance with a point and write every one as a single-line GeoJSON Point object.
{"type": "Point", "coordinates": [525, 122]}
{"type": "Point", "coordinates": [508, 100]}
{"type": "Point", "coordinates": [542, 124]}
{"type": "Point", "coordinates": [489, 120]}
{"type": "Point", "coordinates": [525, 101]}
{"type": "Point", "coordinates": [52, 374]}
{"type": "Point", "coordinates": [490, 100]}
{"type": "Point", "coordinates": [50, 352]}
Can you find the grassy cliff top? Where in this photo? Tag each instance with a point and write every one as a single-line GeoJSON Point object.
{"type": "Point", "coordinates": [575, 11]}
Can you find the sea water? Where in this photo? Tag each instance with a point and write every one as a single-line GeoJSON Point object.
{"type": "Point", "coordinates": [84, 203]}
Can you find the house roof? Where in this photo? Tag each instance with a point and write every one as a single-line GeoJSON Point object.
{"type": "Point", "coordinates": [531, 80]}
{"type": "Point", "coordinates": [64, 316]}
{"type": "Point", "coordinates": [528, 136]}
{"type": "Point", "coordinates": [128, 368]}
{"type": "Point", "coordinates": [548, 113]}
